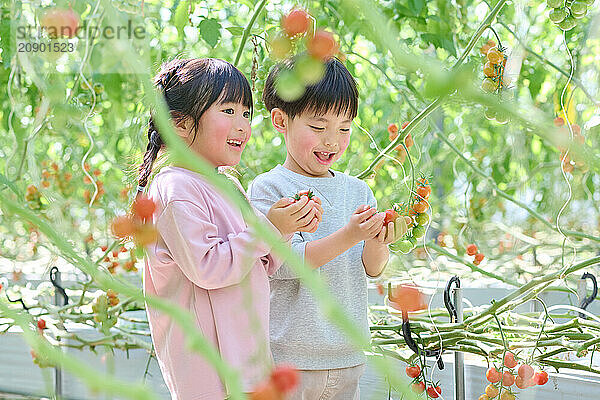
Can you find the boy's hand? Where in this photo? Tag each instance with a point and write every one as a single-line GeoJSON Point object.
{"type": "Point", "coordinates": [394, 230]}
{"type": "Point", "coordinates": [364, 224]}
{"type": "Point", "coordinates": [290, 216]}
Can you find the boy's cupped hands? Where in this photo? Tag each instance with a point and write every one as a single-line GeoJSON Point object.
{"type": "Point", "coordinates": [367, 224]}
{"type": "Point", "coordinates": [289, 215]}
{"type": "Point", "coordinates": [393, 231]}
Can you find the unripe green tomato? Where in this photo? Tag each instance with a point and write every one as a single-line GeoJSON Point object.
{"type": "Point", "coordinates": [578, 9]}
{"type": "Point", "coordinates": [418, 231]}
{"type": "Point", "coordinates": [568, 23]}
{"type": "Point", "coordinates": [422, 219]}
{"type": "Point", "coordinates": [288, 86]}
{"type": "Point", "coordinates": [281, 45]}
{"type": "Point", "coordinates": [405, 246]}
{"type": "Point", "coordinates": [557, 15]}
{"type": "Point", "coordinates": [490, 114]}
{"type": "Point", "coordinates": [501, 118]}
{"type": "Point", "coordinates": [554, 3]}
{"type": "Point", "coordinates": [488, 85]}
{"type": "Point", "coordinates": [309, 70]}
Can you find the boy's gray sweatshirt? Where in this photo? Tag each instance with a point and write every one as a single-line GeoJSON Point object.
{"type": "Point", "coordinates": [300, 334]}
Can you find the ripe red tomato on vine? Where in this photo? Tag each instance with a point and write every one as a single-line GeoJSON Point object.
{"type": "Point", "coordinates": [434, 391]}
{"type": "Point", "coordinates": [412, 371]}
{"type": "Point", "coordinates": [296, 22]}
{"type": "Point", "coordinates": [390, 216]}
{"type": "Point", "coordinates": [322, 45]}
{"type": "Point", "coordinates": [418, 387]}
{"type": "Point", "coordinates": [509, 360]}
{"type": "Point", "coordinates": [306, 193]}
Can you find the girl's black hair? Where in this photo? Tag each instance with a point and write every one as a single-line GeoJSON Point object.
{"type": "Point", "coordinates": [336, 91]}
{"type": "Point", "coordinates": [190, 87]}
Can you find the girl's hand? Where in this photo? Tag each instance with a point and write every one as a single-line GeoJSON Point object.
{"type": "Point", "coordinates": [393, 231]}
{"type": "Point", "coordinates": [290, 216]}
{"type": "Point", "coordinates": [364, 224]}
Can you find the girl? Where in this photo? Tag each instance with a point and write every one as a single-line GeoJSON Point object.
{"type": "Point", "coordinates": [206, 259]}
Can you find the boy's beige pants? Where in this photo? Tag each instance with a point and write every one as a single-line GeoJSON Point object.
{"type": "Point", "coordinates": [329, 384]}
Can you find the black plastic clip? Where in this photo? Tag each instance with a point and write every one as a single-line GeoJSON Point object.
{"type": "Point", "coordinates": [447, 300]}
{"type": "Point", "coordinates": [406, 333]}
{"type": "Point", "coordinates": [586, 301]}
{"type": "Point", "coordinates": [53, 279]}
{"type": "Point", "coordinates": [19, 300]}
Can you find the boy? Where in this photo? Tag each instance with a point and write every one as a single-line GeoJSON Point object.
{"type": "Point", "coordinates": [349, 244]}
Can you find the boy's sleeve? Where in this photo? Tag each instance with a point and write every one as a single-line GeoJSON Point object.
{"type": "Point", "coordinates": [206, 259]}
{"type": "Point", "coordinates": [371, 200]}
{"type": "Point", "coordinates": [298, 246]}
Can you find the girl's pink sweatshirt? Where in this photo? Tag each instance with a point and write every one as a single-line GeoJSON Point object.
{"type": "Point", "coordinates": [207, 261]}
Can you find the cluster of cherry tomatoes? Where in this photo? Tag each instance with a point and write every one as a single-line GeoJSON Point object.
{"type": "Point", "coordinates": [565, 14]}
{"type": "Point", "coordinates": [112, 260]}
{"type": "Point", "coordinates": [137, 225]}
{"type": "Point", "coordinates": [495, 80]}
{"type": "Point", "coordinates": [41, 362]}
{"type": "Point", "coordinates": [309, 68]}
{"type": "Point", "coordinates": [60, 179]}
{"type": "Point", "coordinates": [103, 315]}
{"type": "Point", "coordinates": [417, 211]}
{"type": "Point", "coordinates": [418, 384]}
{"type": "Point", "coordinates": [569, 165]}
{"type": "Point", "coordinates": [524, 377]}
{"type": "Point", "coordinates": [473, 251]}
{"type": "Point", "coordinates": [283, 380]}
{"type": "Point", "coordinates": [408, 140]}
{"type": "Point", "coordinates": [87, 193]}
{"type": "Point", "coordinates": [33, 197]}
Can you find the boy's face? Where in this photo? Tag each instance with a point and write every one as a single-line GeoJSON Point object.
{"type": "Point", "coordinates": [313, 142]}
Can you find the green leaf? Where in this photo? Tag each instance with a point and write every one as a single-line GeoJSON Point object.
{"type": "Point", "coordinates": [11, 185]}
{"type": "Point", "coordinates": [210, 30]}
{"type": "Point", "coordinates": [181, 16]}
{"type": "Point", "coordinates": [236, 30]}
{"type": "Point", "coordinates": [416, 6]}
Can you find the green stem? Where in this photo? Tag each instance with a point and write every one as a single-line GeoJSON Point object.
{"type": "Point", "coordinates": [508, 197]}
{"type": "Point", "coordinates": [247, 30]}
{"type": "Point", "coordinates": [543, 59]}
{"type": "Point", "coordinates": [437, 102]}
{"type": "Point", "coordinates": [472, 266]}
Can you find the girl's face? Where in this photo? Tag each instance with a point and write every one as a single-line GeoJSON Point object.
{"type": "Point", "coordinates": [223, 131]}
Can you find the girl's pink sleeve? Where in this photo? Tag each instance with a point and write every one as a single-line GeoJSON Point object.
{"type": "Point", "coordinates": [270, 261]}
{"type": "Point", "coordinates": [206, 259]}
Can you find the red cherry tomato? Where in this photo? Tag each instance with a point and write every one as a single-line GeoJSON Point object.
{"type": "Point", "coordinates": [540, 378]}
{"type": "Point", "coordinates": [472, 249]}
{"type": "Point", "coordinates": [434, 392]}
{"type": "Point", "coordinates": [285, 378]}
{"type": "Point", "coordinates": [509, 360]}
{"type": "Point", "coordinates": [418, 387]}
{"type": "Point", "coordinates": [492, 375]}
{"type": "Point", "coordinates": [413, 371]}
{"type": "Point", "coordinates": [296, 22]}
{"type": "Point", "coordinates": [525, 372]}
{"type": "Point", "coordinates": [390, 216]}
{"type": "Point", "coordinates": [508, 379]}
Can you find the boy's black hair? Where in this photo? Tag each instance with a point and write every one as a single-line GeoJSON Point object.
{"type": "Point", "coordinates": [336, 91]}
{"type": "Point", "coordinates": [190, 87]}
